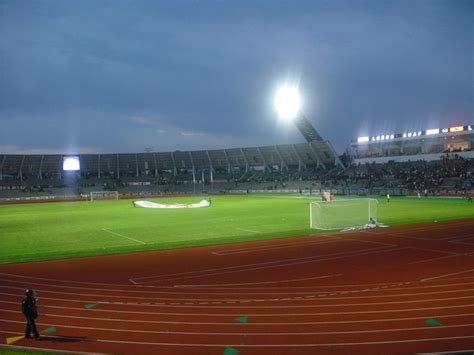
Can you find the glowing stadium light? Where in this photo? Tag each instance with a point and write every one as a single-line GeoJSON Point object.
{"type": "Point", "coordinates": [387, 136]}
{"type": "Point", "coordinates": [362, 139]}
{"type": "Point", "coordinates": [382, 138]}
{"type": "Point", "coordinates": [444, 130]}
{"type": "Point", "coordinates": [377, 138]}
{"type": "Point", "coordinates": [287, 102]}
{"type": "Point", "coordinates": [392, 136]}
{"type": "Point", "coordinates": [430, 132]}
{"type": "Point", "coordinates": [409, 134]}
{"type": "Point", "coordinates": [71, 163]}
{"type": "Point", "coordinates": [469, 128]}
{"type": "Point", "coordinates": [373, 138]}
{"type": "Point", "coordinates": [404, 135]}
{"type": "Point", "coordinates": [419, 133]}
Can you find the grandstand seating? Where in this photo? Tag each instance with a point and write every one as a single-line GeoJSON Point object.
{"type": "Point", "coordinates": [306, 167]}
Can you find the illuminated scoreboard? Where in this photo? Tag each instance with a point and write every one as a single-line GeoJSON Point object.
{"type": "Point", "coordinates": [414, 134]}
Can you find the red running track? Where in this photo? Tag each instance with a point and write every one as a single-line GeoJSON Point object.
{"type": "Point", "coordinates": [390, 290]}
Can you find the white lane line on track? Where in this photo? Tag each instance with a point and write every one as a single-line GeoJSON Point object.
{"type": "Point", "coordinates": [68, 281]}
{"type": "Point", "coordinates": [248, 334]}
{"type": "Point", "coordinates": [436, 251]}
{"type": "Point", "coordinates": [283, 246]}
{"type": "Point", "coordinates": [371, 242]}
{"type": "Point", "coordinates": [450, 290]}
{"type": "Point", "coordinates": [182, 305]}
{"type": "Point", "coordinates": [253, 315]}
{"type": "Point", "coordinates": [257, 290]}
{"type": "Point", "coordinates": [317, 260]}
{"type": "Point", "coordinates": [262, 282]}
{"type": "Point", "coordinates": [240, 345]}
{"type": "Point", "coordinates": [123, 236]}
{"type": "Point", "coordinates": [441, 276]}
{"type": "Point", "coordinates": [453, 238]}
{"type": "Point", "coordinates": [278, 264]}
{"type": "Point", "coordinates": [439, 227]}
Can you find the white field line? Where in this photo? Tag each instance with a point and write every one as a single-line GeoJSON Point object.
{"type": "Point", "coordinates": [255, 324]}
{"type": "Point", "coordinates": [240, 345]}
{"type": "Point", "coordinates": [232, 306]}
{"type": "Point", "coordinates": [268, 265]}
{"type": "Point", "coordinates": [248, 334]}
{"type": "Point", "coordinates": [441, 276]}
{"type": "Point", "coordinates": [236, 314]}
{"type": "Point", "coordinates": [265, 248]}
{"type": "Point", "coordinates": [123, 236]}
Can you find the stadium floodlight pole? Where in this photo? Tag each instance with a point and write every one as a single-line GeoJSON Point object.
{"type": "Point", "coordinates": [288, 106]}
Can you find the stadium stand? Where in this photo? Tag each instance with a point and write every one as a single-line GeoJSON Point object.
{"type": "Point", "coordinates": [443, 165]}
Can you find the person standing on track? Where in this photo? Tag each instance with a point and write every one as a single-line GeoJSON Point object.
{"type": "Point", "coordinates": [29, 310]}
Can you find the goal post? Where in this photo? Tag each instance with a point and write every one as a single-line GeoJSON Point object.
{"type": "Point", "coordinates": [104, 195]}
{"type": "Point", "coordinates": [342, 214]}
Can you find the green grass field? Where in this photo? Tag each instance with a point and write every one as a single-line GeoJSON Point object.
{"type": "Point", "coordinates": [71, 229]}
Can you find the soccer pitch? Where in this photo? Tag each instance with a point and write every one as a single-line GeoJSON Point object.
{"type": "Point", "coordinates": [72, 229]}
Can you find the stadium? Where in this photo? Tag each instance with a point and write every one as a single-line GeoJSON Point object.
{"type": "Point", "coordinates": [285, 248]}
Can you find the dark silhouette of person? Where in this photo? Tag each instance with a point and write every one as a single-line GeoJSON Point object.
{"type": "Point", "coordinates": [29, 310]}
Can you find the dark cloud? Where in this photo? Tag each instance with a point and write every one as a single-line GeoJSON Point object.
{"type": "Point", "coordinates": [116, 75]}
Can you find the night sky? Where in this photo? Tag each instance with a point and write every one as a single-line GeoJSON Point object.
{"type": "Point", "coordinates": [122, 76]}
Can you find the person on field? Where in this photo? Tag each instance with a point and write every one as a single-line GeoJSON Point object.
{"type": "Point", "coordinates": [29, 310]}
{"type": "Point", "coordinates": [388, 197]}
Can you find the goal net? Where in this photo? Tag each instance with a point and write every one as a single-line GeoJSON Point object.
{"type": "Point", "coordinates": [343, 214]}
{"type": "Point", "coordinates": [104, 195]}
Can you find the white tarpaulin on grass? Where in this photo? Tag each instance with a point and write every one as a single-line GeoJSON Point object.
{"type": "Point", "coordinates": [148, 204]}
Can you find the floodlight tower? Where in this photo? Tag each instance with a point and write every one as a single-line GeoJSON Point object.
{"type": "Point", "coordinates": [288, 106]}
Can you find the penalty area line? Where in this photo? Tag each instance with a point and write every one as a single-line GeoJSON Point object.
{"type": "Point", "coordinates": [123, 236]}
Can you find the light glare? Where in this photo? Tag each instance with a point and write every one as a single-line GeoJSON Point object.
{"type": "Point", "coordinates": [287, 102]}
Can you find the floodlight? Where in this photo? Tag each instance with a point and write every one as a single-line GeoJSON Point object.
{"type": "Point", "coordinates": [287, 102]}
{"type": "Point", "coordinates": [71, 163]}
